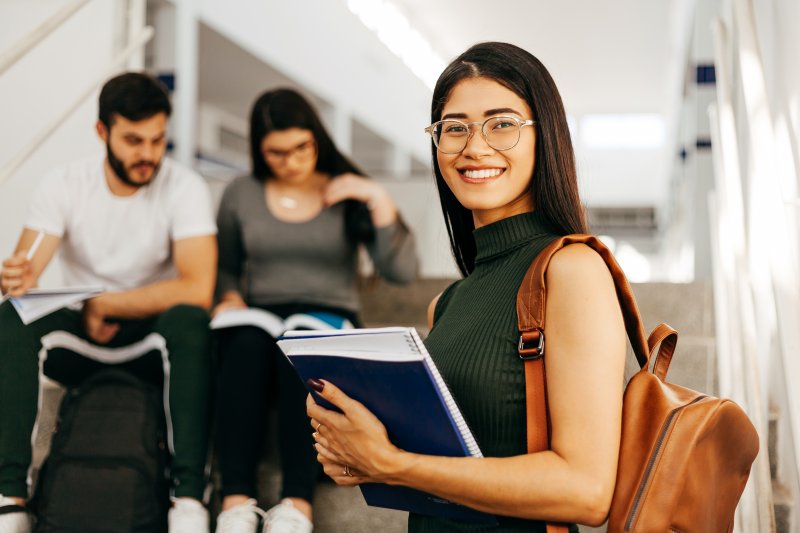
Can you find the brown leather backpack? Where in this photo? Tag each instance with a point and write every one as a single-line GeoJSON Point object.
{"type": "Point", "coordinates": [684, 456]}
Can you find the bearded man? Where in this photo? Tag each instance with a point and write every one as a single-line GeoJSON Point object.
{"type": "Point", "coordinates": [142, 227]}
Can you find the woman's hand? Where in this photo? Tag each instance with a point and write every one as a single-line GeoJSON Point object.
{"type": "Point", "coordinates": [350, 186]}
{"type": "Point", "coordinates": [230, 300]}
{"type": "Point", "coordinates": [353, 442]}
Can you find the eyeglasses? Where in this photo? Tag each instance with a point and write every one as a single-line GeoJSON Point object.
{"type": "Point", "coordinates": [500, 133]}
{"type": "Point", "coordinates": [303, 152]}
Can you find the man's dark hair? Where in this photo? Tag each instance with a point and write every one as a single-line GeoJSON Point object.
{"type": "Point", "coordinates": [133, 96]}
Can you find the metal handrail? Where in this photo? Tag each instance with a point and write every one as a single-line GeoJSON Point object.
{"type": "Point", "coordinates": [24, 154]}
{"type": "Point", "coordinates": [25, 44]}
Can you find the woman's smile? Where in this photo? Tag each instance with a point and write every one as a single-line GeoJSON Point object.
{"type": "Point", "coordinates": [480, 175]}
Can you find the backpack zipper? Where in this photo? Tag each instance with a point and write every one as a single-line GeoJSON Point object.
{"type": "Point", "coordinates": [652, 461]}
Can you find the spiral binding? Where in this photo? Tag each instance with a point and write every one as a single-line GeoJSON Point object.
{"type": "Point", "coordinates": [415, 342]}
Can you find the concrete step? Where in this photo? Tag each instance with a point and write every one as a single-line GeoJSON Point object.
{"type": "Point", "coordinates": [784, 506]}
{"type": "Point", "coordinates": [783, 500]}
{"type": "Point", "coordinates": [687, 307]}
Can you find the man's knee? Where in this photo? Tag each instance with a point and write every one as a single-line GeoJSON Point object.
{"type": "Point", "coordinates": [8, 317]}
{"type": "Point", "coordinates": [13, 333]}
{"type": "Point", "coordinates": [184, 316]}
{"type": "Point", "coordinates": [185, 328]}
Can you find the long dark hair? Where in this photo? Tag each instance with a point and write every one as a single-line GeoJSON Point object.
{"type": "Point", "coordinates": [554, 186]}
{"type": "Point", "coordinates": [281, 109]}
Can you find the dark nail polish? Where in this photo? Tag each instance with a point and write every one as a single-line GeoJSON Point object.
{"type": "Point", "coordinates": [315, 384]}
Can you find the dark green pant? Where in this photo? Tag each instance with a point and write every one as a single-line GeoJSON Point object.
{"type": "Point", "coordinates": [185, 330]}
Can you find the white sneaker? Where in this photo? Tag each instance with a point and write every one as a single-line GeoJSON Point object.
{"type": "Point", "coordinates": [14, 518]}
{"type": "Point", "coordinates": [286, 518]}
{"type": "Point", "coordinates": [240, 519]}
{"type": "Point", "coordinates": [187, 515]}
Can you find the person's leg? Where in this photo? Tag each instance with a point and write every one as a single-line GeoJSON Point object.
{"type": "Point", "coordinates": [241, 414]}
{"type": "Point", "coordinates": [187, 375]}
{"type": "Point", "coordinates": [296, 444]}
{"type": "Point", "coordinates": [19, 378]}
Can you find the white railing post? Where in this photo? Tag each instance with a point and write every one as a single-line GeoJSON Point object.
{"type": "Point", "coordinates": [24, 45]}
{"type": "Point", "coordinates": [12, 166]}
{"type": "Point", "coordinates": [742, 365]}
{"type": "Point", "coordinates": [186, 44]}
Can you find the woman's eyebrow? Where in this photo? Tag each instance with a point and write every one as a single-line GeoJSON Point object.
{"type": "Point", "coordinates": [501, 110]}
{"type": "Point", "coordinates": [488, 113]}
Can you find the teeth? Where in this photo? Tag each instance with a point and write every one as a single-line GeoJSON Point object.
{"type": "Point", "coordinates": [483, 173]}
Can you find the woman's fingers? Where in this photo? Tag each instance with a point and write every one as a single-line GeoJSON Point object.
{"type": "Point", "coordinates": [333, 394]}
{"type": "Point", "coordinates": [325, 453]}
{"type": "Point", "coordinates": [337, 472]}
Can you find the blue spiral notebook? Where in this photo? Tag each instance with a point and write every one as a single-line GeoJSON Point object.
{"type": "Point", "coordinates": [390, 371]}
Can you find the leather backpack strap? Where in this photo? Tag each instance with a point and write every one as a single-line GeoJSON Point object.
{"type": "Point", "coordinates": [531, 302]}
{"type": "Point", "coordinates": [532, 299]}
{"type": "Point", "coordinates": [666, 339]}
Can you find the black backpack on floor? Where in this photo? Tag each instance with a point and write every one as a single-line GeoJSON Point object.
{"type": "Point", "coordinates": [106, 471]}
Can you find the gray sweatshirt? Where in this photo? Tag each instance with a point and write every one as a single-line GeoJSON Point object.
{"type": "Point", "coordinates": [270, 261]}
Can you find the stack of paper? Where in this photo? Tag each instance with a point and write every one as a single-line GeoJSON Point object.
{"type": "Point", "coordinates": [37, 303]}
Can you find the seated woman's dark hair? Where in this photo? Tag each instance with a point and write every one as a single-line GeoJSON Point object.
{"type": "Point", "coordinates": [282, 109]}
{"type": "Point", "coordinates": [554, 185]}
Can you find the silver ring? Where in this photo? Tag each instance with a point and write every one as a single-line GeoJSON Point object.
{"type": "Point", "coordinates": [347, 471]}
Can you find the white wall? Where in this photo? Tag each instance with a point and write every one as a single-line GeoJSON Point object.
{"type": "Point", "coordinates": [41, 86]}
{"type": "Point", "coordinates": [322, 46]}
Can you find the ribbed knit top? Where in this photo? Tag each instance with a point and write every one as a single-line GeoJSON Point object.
{"type": "Point", "coordinates": [474, 344]}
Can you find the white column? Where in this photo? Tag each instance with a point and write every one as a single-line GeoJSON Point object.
{"type": "Point", "coordinates": [342, 129]}
{"type": "Point", "coordinates": [400, 163]}
{"type": "Point", "coordinates": [136, 22]}
{"type": "Point", "coordinates": [185, 100]}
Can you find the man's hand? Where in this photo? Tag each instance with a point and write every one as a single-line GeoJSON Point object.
{"type": "Point", "coordinates": [231, 300]}
{"type": "Point", "coordinates": [17, 276]}
{"type": "Point", "coordinates": [94, 322]}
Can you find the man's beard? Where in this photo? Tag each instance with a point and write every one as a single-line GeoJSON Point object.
{"type": "Point", "coordinates": [119, 168]}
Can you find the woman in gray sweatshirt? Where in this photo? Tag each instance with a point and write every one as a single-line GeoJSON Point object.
{"type": "Point", "coordinates": [289, 237]}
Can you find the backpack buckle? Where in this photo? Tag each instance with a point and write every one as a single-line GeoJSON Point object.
{"type": "Point", "coordinates": [531, 345]}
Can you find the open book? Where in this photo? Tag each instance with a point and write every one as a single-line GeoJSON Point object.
{"type": "Point", "coordinates": [37, 303]}
{"type": "Point", "coordinates": [390, 371]}
{"type": "Point", "coordinates": [275, 325]}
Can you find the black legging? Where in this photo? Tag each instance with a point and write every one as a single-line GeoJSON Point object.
{"type": "Point", "coordinates": [251, 362]}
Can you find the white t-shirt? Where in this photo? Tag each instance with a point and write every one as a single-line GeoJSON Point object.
{"type": "Point", "coordinates": [120, 242]}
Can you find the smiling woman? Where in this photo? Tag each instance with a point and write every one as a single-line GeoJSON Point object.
{"type": "Point", "coordinates": [505, 171]}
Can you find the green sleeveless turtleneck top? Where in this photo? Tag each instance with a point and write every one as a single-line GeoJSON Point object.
{"type": "Point", "coordinates": [474, 344]}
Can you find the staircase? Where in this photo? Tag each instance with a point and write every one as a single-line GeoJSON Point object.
{"type": "Point", "coordinates": [686, 307]}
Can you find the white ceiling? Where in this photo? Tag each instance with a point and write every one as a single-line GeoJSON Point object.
{"type": "Point", "coordinates": [606, 56]}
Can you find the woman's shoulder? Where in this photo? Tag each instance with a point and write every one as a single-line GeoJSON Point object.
{"type": "Point", "coordinates": [579, 267]}
{"type": "Point", "coordinates": [245, 182]}
{"type": "Point", "coordinates": [440, 301]}
{"type": "Point", "coordinates": [241, 187]}
{"type": "Point", "coordinates": [576, 258]}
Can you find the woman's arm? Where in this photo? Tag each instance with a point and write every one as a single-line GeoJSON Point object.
{"type": "Point", "coordinates": [231, 246]}
{"type": "Point", "coordinates": [574, 481]}
{"type": "Point", "coordinates": [393, 252]}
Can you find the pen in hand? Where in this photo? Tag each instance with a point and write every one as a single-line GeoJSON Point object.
{"type": "Point", "coordinates": [34, 246]}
